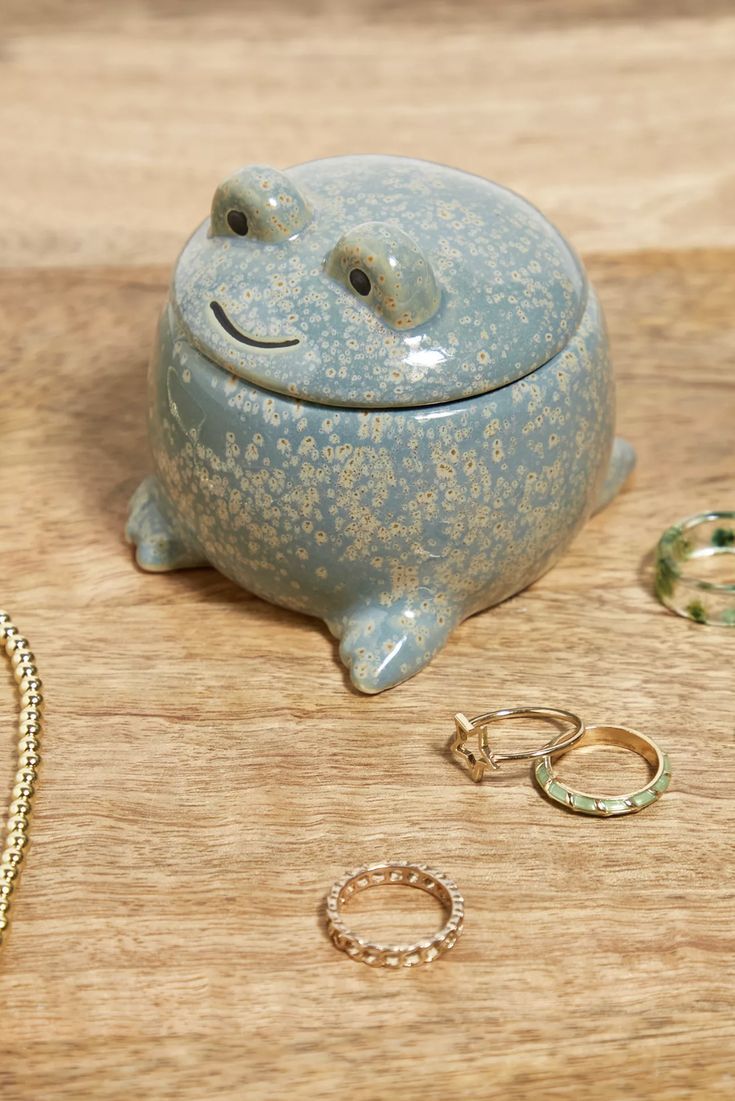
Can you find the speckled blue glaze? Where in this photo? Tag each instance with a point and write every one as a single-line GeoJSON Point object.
{"type": "Point", "coordinates": [393, 451]}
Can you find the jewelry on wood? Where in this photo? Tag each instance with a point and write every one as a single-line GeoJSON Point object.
{"type": "Point", "coordinates": [687, 556]}
{"type": "Point", "coordinates": [484, 757]}
{"type": "Point", "coordinates": [608, 806]}
{"type": "Point", "coordinates": [420, 876]}
{"type": "Point", "coordinates": [29, 728]}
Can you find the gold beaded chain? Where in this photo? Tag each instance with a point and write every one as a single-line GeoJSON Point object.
{"type": "Point", "coordinates": [29, 728]}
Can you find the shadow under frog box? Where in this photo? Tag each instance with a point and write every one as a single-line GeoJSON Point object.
{"type": "Point", "coordinates": [380, 395]}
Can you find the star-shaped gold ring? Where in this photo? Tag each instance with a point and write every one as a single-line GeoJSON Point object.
{"type": "Point", "coordinates": [477, 761]}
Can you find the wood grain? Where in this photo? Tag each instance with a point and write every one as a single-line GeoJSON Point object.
{"type": "Point", "coordinates": [117, 121]}
{"type": "Point", "coordinates": [209, 772]}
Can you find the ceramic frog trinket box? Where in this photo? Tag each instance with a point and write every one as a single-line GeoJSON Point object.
{"type": "Point", "coordinates": [380, 395]}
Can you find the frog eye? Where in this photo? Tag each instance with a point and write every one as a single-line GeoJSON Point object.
{"type": "Point", "coordinates": [258, 202]}
{"type": "Point", "coordinates": [360, 280]}
{"type": "Point", "coordinates": [384, 267]}
{"type": "Point", "coordinates": [237, 220]}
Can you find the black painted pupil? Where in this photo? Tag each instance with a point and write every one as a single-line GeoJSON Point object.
{"type": "Point", "coordinates": [360, 281]}
{"type": "Point", "coordinates": [237, 222]}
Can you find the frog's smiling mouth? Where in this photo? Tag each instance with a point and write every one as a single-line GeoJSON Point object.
{"type": "Point", "coordinates": [230, 329]}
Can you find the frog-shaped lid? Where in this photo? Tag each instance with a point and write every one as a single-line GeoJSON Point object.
{"type": "Point", "coordinates": [376, 281]}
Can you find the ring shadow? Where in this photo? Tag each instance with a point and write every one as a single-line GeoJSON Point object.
{"type": "Point", "coordinates": [646, 573]}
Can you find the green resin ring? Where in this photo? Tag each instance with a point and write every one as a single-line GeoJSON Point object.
{"type": "Point", "coordinates": [695, 568]}
{"type": "Point", "coordinates": [607, 806]}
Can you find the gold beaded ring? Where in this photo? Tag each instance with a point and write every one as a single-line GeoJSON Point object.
{"type": "Point", "coordinates": [401, 874]}
{"type": "Point", "coordinates": [476, 763]}
{"type": "Point", "coordinates": [607, 806]}
{"type": "Point", "coordinates": [29, 729]}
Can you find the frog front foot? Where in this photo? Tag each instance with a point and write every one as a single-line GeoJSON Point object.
{"type": "Point", "coordinates": [160, 543]}
{"type": "Point", "coordinates": [384, 645]}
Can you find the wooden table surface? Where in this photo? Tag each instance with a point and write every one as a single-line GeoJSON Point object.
{"type": "Point", "coordinates": [208, 770]}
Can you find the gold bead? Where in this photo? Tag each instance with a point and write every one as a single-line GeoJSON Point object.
{"type": "Point", "coordinates": [4, 907]}
{"type": "Point", "coordinates": [32, 699]}
{"type": "Point", "coordinates": [9, 630]}
{"type": "Point", "coordinates": [23, 673]}
{"type": "Point", "coordinates": [22, 791]}
{"type": "Point", "coordinates": [11, 858]}
{"type": "Point", "coordinates": [22, 657]}
{"type": "Point", "coordinates": [31, 729]}
{"type": "Point", "coordinates": [8, 873]}
{"type": "Point", "coordinates": [29, 715]}
{"type": "Point", "coordinates": [6, 889]}
{"type": "Point", "coordinates": [20, 805]}
{"type": "Point", "coordinates": [25, 669]}
{"type": "Point", "coordinates": [3, 924]}
{"type": "Point", "coordinates": [29, 760]}
{"type": "Point", "coordinates": [24, 665]}
{"type": "Point", "coordinates": [17, 840]}
{"type": "Point", "coordinates": [19, 823]}
{"type": "Point", "coordinates": [15, 642]}
{"type": "Point", "coordinates": [29, 744]}
{"type": "Point", "coordinates": [30, 684]}
{"type": "Point", "coordinates": [26, 776]}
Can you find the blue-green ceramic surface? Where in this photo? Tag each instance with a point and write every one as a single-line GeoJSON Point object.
{"type": "Point", "coordinates": [380, 395]}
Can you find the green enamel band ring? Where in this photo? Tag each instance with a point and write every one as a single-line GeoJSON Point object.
{"type": "Point", "coordinates": [607, 806]}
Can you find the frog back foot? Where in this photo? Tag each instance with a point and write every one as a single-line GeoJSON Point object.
{"type": "Point", "coordinates": [160, 544]}
{"type": "Point", "coordinates": [384, 645]}
{"type": "Point", "coordinates": [620, 467]}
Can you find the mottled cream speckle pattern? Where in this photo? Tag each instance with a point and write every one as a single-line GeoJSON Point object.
{"type": "Point", "coordinates": [391, 482]}
{"type": "Point", "coordinates": [512, 291]}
